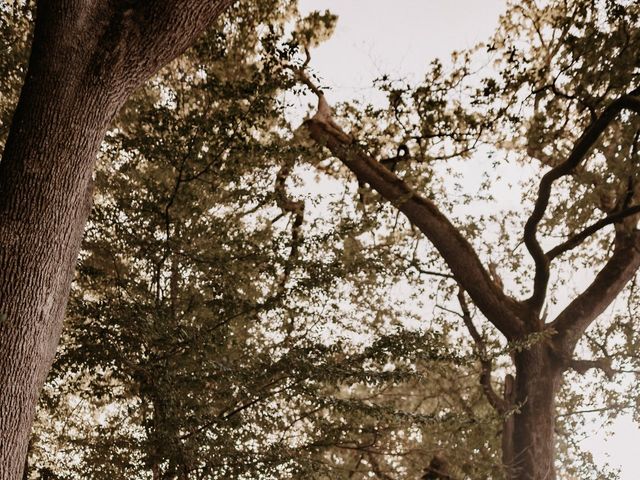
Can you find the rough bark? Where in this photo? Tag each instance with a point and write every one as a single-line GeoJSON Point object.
{"type": "Point", "coordinates": [87, 57]}
{"type": "Point", "coordinates": [508, 423]}
{"type": "Point", "coordinates": [538, 379]}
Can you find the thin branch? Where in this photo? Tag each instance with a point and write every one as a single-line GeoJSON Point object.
{"type": "Point", "coordinates": [301, 73]}
{"type": "Point", "coordinates": [227, 415]}
{"type": "Point", "coordinates": [597, 410]}
{"type": "Point", "coordinates": [577, 155]}
{"type": "Point", "coordinates": [578, 238]}
{"type": "Point", "coordinates": [422, 271]}
{"type": "Point", "coordinates": [485, 362]}
{"type": "Point", "coordinates": [296, 209]}
{"type": "Point", "coordinates": [433, 273]}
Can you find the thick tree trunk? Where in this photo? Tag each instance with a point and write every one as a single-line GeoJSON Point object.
{"type": "Point", "coordinates": [532, 445]}
{"type": "Point", "coordinates": [87, 56]}
{"type": "Point", "coordinates": [45, 191]}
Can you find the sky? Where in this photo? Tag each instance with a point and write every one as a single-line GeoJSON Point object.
{"type": "Point", "coordinates": [400, 38]}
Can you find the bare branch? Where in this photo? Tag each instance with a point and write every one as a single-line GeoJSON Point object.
{"type": "Point", "coordinates": [459, 255]}
{"type": "Point", "coordinates": [608, 408]}
{"type": "Point", "coordinates": [581, 236]}
{"type": "Point", "coordinates": [485, 362]}
{"type": "Point", "coordinates": [304, 78]}
{"type": "Point", "coordinates": [577, 155]}
{"type": "Point", "coordinates": [432, 272]}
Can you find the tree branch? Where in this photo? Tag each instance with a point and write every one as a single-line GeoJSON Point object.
{"type": "Point", "coordinates": [577, 155]}
{"type": "Point", "coordinates": [459, 255]}
{"type": "Point", "coordinates": [582, 366]}
{"type": "Point", "coordinates": [296, 209]}
{"type": "Point", "coordinates": [485, 362]}
{"type": "Point", "coordinates": [150, 34]}
{"type": "Point", "coordinates": [621, 267]}
{"type": "Point", "coordinates": [598, 410]}
{"type": "Point", "coordinates": [578, 238]}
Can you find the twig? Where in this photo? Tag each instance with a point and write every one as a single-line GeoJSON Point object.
{"type": "Point", "coordinates": [499, 404]}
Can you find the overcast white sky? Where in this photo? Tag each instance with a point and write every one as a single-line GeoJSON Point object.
{"type": "Point", "coordinates": [400, 38]}
{"type": "Point", "coordinates": [396, 37]}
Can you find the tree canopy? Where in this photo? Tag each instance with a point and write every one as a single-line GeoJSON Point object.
{"type": "Point", "coordinates": [349, 297]}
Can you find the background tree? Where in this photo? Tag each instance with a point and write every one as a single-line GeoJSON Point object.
{"type": "Point", "coordinates": [208, 327]}
{"type": "Point", "coordinates": [549, 101]}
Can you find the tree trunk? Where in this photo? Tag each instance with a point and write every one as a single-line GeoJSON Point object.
{"type": "Point", "coordinates": [45, 191]}
{"type": "Point", "coordinates": [532, 445]}
{"type": "Point", "coordinates": [87, 56]}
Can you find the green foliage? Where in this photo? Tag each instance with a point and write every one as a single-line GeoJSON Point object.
{"type": "Point", "coordinates": [209, 336]}
{"type": "Point", "coordinates": [213, 334]}
{"type": "Point", "coordinates": [15, 35]}
{"type": "Point", "coordinates": [314, 29]}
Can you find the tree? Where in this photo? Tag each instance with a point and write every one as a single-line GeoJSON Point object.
{"type": "Point", "coordinates": [547, 88]}
{"type": "Point", "coordinates": [152, 265]}
{"type": "Point", "coordinates": [86, 59]}
{"type": "Point", "coordinates": [542, 92]}
{"type": "Point", "coordinates": [193, 334]}
{"type": "Point", "coordinates": [359, 419]}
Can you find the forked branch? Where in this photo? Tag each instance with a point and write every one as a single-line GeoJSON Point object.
{"type": "Point", "coordinates": [145, 36]}
{"type": "Point", "coordinates": [580, 150]}
{"type": "Point", "coordinates": [501, 310]}
{"type": "Point", "coordinates": [621, 267]}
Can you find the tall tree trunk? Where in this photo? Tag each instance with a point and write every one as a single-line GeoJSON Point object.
{"type": "Point", "coordinates": [532, 445]}
{"type": "Point", "coordinates": [87, 56]}
{"type": "Point", "coordinates": [45, 191]}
